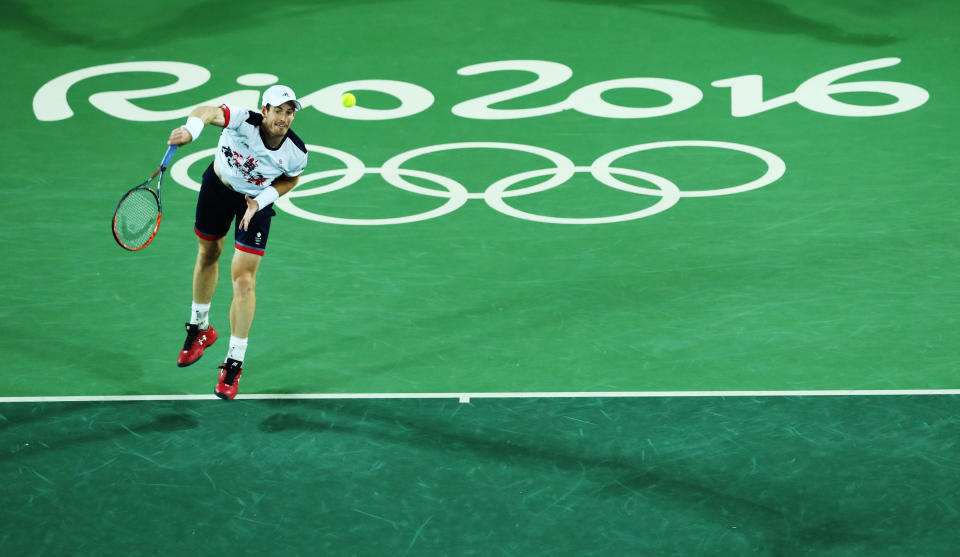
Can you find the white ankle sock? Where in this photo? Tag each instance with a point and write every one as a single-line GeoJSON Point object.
{"type": "Point", "coordinates": [238, 348]}
{"type": "Point", "coordinates": [200, 315]}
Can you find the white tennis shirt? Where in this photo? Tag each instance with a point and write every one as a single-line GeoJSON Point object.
{"type": "Point", "coordinates": [246, 164]}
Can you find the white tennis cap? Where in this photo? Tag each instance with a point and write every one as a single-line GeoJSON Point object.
{"type": "Point", "coordinates": [279, 94]}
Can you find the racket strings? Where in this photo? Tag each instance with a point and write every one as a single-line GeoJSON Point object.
{"type": "Point", "coordinates": [136, 218]}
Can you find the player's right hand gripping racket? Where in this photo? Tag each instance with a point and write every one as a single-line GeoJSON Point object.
{"type": "Point", "coordinates": [137, 218]}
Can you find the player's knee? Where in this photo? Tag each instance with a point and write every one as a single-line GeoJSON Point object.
{"type": "Point", "coordinates": [244, 281]}
{"type": "Point", "coordinates": [210, 257]}
{"type": "Point", "coordinates": [209, 252]}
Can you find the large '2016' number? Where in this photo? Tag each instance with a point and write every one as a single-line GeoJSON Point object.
{"type": "Point", "coordinates": [746, 93]}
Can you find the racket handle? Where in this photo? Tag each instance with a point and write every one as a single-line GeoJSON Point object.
{"type": "Point", "coordinates": [168, 156]}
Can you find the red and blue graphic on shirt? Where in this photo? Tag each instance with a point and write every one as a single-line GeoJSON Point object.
{"type": "Point", "coordinates": [246, 166]}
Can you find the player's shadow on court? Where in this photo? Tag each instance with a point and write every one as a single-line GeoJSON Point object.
{"type": "Point", "coordinates": [752, 15]}
{"type": "Point", "coordinates": [18, 437]}
{"type": "Point", "coordinates": [613, 475]}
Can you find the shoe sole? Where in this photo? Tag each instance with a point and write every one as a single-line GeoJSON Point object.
{"type": "Point", "coordinates": [221, 395]}
{"type": "Point", "coordinates": [189, 363]}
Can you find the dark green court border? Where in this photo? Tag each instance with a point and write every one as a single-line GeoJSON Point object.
{"type": "Point", "coordinates": [780, 476]}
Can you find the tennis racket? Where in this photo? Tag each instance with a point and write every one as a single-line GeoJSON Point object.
{"type": "Point", "coordinates": [137, 218]}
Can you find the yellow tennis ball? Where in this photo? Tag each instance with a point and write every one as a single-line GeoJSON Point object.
{"type": "Point", "coordinates": [348, 99]}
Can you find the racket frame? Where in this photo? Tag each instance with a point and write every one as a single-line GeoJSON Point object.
{"type": "Point", "coordinates": [156, 194]}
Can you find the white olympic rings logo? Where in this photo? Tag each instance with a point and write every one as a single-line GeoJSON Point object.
{"type": "Point", "coordinates": [496, 194]}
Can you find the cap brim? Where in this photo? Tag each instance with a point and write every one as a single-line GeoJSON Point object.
{"type": "Point", "coordinates": [295, 102]}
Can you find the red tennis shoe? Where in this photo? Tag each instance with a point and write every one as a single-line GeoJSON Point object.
{"type": "Point", "coordinates": [229, 380]}
{"type": "Point", "coordinates": [197, 341]}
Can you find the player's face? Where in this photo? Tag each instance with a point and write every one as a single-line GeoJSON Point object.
{"type": "Point", "coordinates": [276, 119]}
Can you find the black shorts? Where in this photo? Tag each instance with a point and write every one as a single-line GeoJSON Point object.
{"type": "Point", "coordinates": [219, 206]}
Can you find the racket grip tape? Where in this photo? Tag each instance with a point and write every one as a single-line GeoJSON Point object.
{"type": "Point", "coordinates": [168, 156]}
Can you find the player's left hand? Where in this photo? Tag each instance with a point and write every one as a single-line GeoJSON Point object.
{"type": "Point", "coordinates": [252, 208]}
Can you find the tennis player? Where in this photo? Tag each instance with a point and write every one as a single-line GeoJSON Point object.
{"type": "Point", "coordinates": [258, 159]}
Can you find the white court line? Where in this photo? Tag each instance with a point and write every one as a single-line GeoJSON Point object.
{"type": "Point", "coordinates": [465, 397]}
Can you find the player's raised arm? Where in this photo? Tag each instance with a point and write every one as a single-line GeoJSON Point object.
{"type": "Point", "coordinates": [199, 117]}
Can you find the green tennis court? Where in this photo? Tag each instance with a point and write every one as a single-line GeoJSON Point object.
{"type": "Point", "coordinates": [573, 278]}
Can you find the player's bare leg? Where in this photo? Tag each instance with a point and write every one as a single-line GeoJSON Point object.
{"type": "Point", "coordinates": [206, 272]}
{"type": "Point", "coordinates": [243, 271]}
{"type": "Point", "coordinates": [200, 334]}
